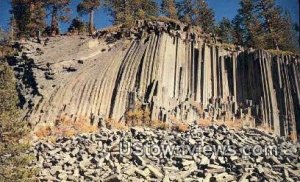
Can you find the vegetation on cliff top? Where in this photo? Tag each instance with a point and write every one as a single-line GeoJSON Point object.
{"type": "Point", "coordinates": [258, 24]}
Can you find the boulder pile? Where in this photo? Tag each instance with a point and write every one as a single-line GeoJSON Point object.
{"type": "Point", "coordinates": [214, 153]}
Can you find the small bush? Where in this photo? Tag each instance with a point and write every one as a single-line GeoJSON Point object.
{"type": "Point", "coordinates": [67, 127]}
{"type": "Point", "coordinates": [138, 116]}
{"type": "Point", "coordinates": [43, 131]}
{"type": "Point", "coordinates": [78, 26]}
{"type": "Point", "coordinates": [157, 124]}
{"type": "Point", "coordinates": [293, 136]}
{"type": "Point", "coordinates": [181, 127]}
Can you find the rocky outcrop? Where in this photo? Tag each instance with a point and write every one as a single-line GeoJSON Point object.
{"type": "Point", "coordinates": [174, 70]}
{"type": "Point", "coordinates": [199, 154]}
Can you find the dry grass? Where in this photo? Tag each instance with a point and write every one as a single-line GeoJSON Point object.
{"type": "Point", "coordinates": [164, 19]}
{"type": "Point", "coordinates": [157, 124]}
{"type": "Point", "coordinates": [66, 127]}
{"type": "Point", "coordinates": [181, 127]}
{"type": "Point", "coordinates": [293, 136]}
{"type": "Point", "coordinates": [6, 51]}
{"type": "Point", "coordinates": [138, 116]}
{"type": "Point", "coordinates": [113, 124]}
{"type": "Point", "coordinates": [280, 52]}
{"type": "Point", "coordinates": [43, 131]}
{"type": "Point", "coordinates": [265, 128]}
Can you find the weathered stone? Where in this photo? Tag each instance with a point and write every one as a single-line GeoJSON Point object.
{"type": "Point", "coordinates": [155, 171]}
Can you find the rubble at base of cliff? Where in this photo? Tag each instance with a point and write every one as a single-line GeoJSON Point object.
{"type": "Point", "coordinates": [214, 153]}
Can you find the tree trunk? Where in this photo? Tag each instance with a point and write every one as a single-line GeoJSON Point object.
{"type": "Point", "coordinates": [54, 22]}
{"type": "Point", "coordinates": [91, 22]}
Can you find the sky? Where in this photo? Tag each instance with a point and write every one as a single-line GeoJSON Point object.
{"type": "Point", "coordinates": [222, 8]}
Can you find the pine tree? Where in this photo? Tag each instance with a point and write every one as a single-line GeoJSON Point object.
{"type": "Point", "coordinates": [225, 30]}
{"type": "Point", "coordinates": [277, 25]}
{"type": "Point", "coordinates": [204, 16]}
{"type": "Point", "coordinates": [3, 36]}
{"type": "Point", "coordinates": [288, 35]}
{"type": "Point", "coordinates": [78, 26]}
{"type": "Point", "coordinates": [14, 162]}
{"type": "Point", "coordinates": [186, 11]}
{"type": "Point", "coordinates": [237, 30]}
{"type": "Point", "coordinates": [197, 13]}
{"type": "Point", "coordinates": [247, 26]}
{"type": "Point", "coordinates": [127, 11]}
{"type": "Point", "coordinates": [59, 10]}
{"type": "Point", "coordinates": [89, 7]}
{"type": "Point", "coordinates": [168, 8]}
{"type": "Point", "coordinates": [28, 17]}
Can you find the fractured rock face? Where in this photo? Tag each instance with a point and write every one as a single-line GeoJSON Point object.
{"type": "Point", "coordinates": [172, 71]}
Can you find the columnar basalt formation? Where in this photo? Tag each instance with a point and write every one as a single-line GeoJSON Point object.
{"type": "Point", "coordinates": [175, 71]}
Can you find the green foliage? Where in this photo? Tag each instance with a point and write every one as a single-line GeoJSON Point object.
{"type": "Point", "coordinates": [168, 8]}
{"type": "Point", "coordinates": [225, 30]}
{"type": "Point", "coordinates": [197, 13]}
{"type": "Point", "coordinates": [78, 26]}
{"type": "Point", "coordinates": [88, 7]}
{"type": "Point", "coordinates": [3, 36]}
{"type": "Point", "coordinates": [28, 17]}
{"type": "Point", "coordinates": [186, 11]}
{"type": "Point", "coordinates": [248, 30]}
{"type": "Point", "coordinates": [59, 11]}
{"type": "Point", "coordinates": [262, 24]}
{"type": "Point", "coordinates": [13, 146]}
{"type": "Point", "coordinates": [126, 12]}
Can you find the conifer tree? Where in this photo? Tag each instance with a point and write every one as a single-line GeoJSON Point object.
{"type": "Point", "coordinates": [275, 23]}
{"type": "Point", "coordinates": [237, 30]}
{"type": "Point", "coordinates": [14, 162]}
{"type": "Point", "coordinates": [89, 7]}
{"type": "Point", "coordinates": [127, 11]}
{"type": "Point", "coordinates": [197, 12]}
{"type": "Point", "coordinates": [204, 16]}
{"type": "Point", "coordinates": [225, 30]}
{"type": "Point", "coordinates": [288, 35]}
{"type": "Point", "coordinates": [168, 8]}
{"type": "Point", "coordinates": [28, 17]}
{"type": "Point", "coordinates": [59, 11]}
{"type": "Point", "coordinates": [186, 11]}
{"type": "Point", "coordinates": [248, 29]}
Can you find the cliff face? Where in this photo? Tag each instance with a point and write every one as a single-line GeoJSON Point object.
{"type": "Point", "coordinates": [167, 68]}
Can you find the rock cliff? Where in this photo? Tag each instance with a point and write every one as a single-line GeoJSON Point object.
{"type": "Point", "coordinates": [175, 71]}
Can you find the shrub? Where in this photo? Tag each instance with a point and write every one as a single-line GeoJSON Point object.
{"type": "Point", "coordinates": [181, 127]}
{"type": "Point", "coordinates": [67, 127]}
{"type": "Point", "coordinates": [138, 116]}
{"type": "Point", "coordinates": [78, 26]}
{"type": "Point", "coordinates": [293, 136]}
{"type": "Point", "coordinates": [157, 124]}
